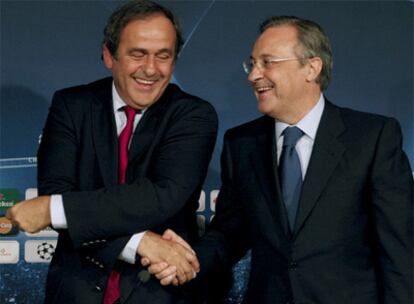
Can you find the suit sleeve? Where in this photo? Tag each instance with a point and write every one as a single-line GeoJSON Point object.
{"type": "Point", "coordinates": [178, 168]}
{"type": "Point", "coordinates": [392, 195]}
{"type": "Point", "coordinates": [226, 240]}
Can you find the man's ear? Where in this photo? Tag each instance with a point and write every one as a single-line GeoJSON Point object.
{"type": "Point", "coordinates": [314, 68]}
{"type": "Point", "coordinates": [107, 57]}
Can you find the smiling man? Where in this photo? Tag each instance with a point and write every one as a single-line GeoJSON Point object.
{"type": "Point", "coordinates": [122, 158]}
{"type": "Point", "coordinates": [143, 64]}
{"type": "Point", "coordinates": [322, 195]}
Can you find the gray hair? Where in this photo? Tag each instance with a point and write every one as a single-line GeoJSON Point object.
{"type": "Point", "coordinates": [313, 41]}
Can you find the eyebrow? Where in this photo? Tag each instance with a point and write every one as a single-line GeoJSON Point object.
{"type": "Point", "coordinates": [133, 50]}
{"type": "Point", "coordinates": [264, 55]}
{"type": "Point", "coordinates": [165, 50]}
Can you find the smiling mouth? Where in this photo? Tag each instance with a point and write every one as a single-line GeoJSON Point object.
{"type": "Point", "coordinates": [145, 82]}
{"type": "Point", "coordinates": [263, 89]}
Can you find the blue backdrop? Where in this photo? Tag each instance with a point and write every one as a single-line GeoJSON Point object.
{"type": "Point", "coordinates": [48, 45]}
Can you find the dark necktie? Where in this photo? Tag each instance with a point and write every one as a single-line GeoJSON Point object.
{"type": "Point", "coordinates": [290, 173]}
{"type": "Point", "coordinates": [112, 292]}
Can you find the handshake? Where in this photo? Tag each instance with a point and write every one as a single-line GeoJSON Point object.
{"type": "Point", "coordinates": [168, 257]}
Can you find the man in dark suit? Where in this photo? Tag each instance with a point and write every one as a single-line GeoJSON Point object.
{"type": "Point", "coordinates": [114, 192]}
{"type": "Point", "coordinates": [328, 214]}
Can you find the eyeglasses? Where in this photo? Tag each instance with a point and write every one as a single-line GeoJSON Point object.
{"type": "Point", "coordinates": [264, 63]}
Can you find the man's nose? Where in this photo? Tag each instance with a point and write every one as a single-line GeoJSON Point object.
{"type": "Point", "coordinates": [150, 66]}
{"type": "Point", "coordinates": [255, 74]}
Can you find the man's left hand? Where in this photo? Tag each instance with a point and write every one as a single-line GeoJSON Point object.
{"type": "Point", "coordinates": [32, 215]}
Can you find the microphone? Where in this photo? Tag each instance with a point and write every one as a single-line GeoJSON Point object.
{"type": "Point", "coordinates": [144, 276]}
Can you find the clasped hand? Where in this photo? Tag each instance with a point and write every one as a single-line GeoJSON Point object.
{"type": "Point", "coordinates": [169, 257]}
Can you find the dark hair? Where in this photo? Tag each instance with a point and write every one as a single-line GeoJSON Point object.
{"type": "Point", "coordinates": [313, 42]}
{"type": "Point", "coordinates": [135, 10]}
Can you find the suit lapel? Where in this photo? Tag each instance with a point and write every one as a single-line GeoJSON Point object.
{"type": "Point", "coordinates": [263, 160]}
{"type": "Point", "coordinates": [326, 154]}
{"type": "Point", "coordinates": [103, 128]}
{"type": "Point", "coordinates": [145, 132]}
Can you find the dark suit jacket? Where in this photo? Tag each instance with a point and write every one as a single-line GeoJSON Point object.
{"type": "Point", "coordinates": [168, 160]}
{"type": "Point", "coordinates": [353, 240]}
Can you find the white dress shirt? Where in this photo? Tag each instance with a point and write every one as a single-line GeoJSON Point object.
{"type": "Point", "coordinates": [57, 212]}
{"type": "Point", "coordinates": [309, 125]}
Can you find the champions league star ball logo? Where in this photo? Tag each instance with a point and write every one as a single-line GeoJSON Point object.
{"type": "Point", "coordinates": [45, 251]}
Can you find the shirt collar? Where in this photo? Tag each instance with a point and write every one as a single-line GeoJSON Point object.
{"type": "Point", "coordinates": [117, 101]}
{"type": "Point", "coordinates": [308, 124]}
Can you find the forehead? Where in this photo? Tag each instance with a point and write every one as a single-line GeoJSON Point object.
{"type": "Point", "coordinates": [153, 29]}
{"type": "Point", "coordinates": [278, 41]}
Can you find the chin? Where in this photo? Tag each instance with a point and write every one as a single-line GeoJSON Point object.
{"type": "Point", "coordinates": [264, 108]}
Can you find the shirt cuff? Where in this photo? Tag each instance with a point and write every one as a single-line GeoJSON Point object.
{"type": "Point", "coordinates": [57, 213]}
{"type": "Point", "coordinates": [129, 253]}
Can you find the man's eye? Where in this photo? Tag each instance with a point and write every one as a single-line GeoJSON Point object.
{"type": "Point", "coordinates": [267, 63]}
{"type": "Point", "coordinates": [164, 56]}
{"type": "Point", "coordinates": [137, 55]}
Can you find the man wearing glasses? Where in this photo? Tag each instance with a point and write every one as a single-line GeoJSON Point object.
{"type": "Point", "coordinates": [322, 195]}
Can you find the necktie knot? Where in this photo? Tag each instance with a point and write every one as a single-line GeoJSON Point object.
{"type": "Point", "coordinates": [291, 136]}
{"type": "Point", "coordinates": [129, 112]}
